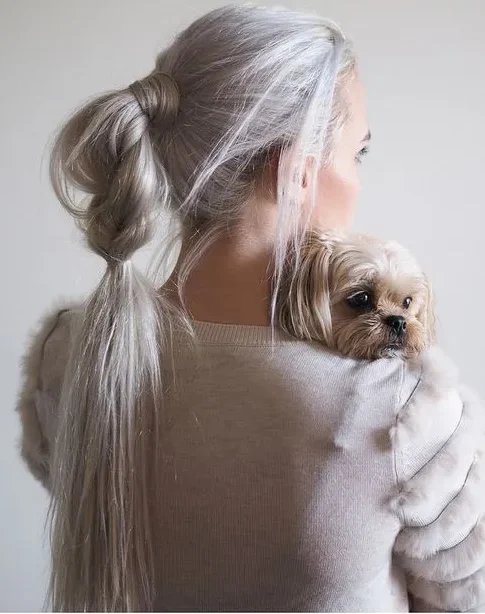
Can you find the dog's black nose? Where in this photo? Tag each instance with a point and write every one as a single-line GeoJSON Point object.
{"type": "Point", "coordinates": [397, 323]}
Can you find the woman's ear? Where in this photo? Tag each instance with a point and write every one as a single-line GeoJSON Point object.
{"type": "Point", "coordinates": [301, 181]}
{"type": "Point", "coordinates": [308, 170]}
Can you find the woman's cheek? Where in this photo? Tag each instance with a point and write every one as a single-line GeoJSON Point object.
{"type": "Point", "coordinates": [337, 198]}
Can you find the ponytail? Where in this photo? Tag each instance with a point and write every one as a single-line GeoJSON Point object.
{"type": "Point", "coordinates": [107, 445]}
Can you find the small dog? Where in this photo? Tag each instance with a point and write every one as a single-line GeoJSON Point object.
{"type": "Point", "coordinates": [362, 297]}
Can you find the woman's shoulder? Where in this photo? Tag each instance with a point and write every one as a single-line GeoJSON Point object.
{"type": "Point", "coordinates": [48, 337]}
{"type": "Point", "coordinates": [390, 378]}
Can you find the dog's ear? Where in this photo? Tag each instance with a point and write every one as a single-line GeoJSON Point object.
{"type": "Point", "coordinates": [317, 292]}
{"type": "Point", "coordinates": [426, 314]}
{"type": "Point", "coordinates": [303, 303]}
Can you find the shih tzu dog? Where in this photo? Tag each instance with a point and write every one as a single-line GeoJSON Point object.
{"type": "Point", "coordinates": [362, 297]}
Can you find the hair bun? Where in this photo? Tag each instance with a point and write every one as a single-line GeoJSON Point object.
{"type": "Point", "coordinates": [158, 96]}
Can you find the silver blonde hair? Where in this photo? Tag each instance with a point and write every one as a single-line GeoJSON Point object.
{"type": "Point", "coordinates": [190, 139]}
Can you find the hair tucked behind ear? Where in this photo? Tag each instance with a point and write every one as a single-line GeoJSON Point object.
{"type": "Point", "coordinates": [104, 466]}
{"type": "Point", "coordinates": [243, 81]}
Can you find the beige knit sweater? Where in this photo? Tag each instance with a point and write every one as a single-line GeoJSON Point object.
{"type": "Point", "coordinates": [299, 480]}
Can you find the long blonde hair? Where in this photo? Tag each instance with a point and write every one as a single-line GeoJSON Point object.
{"type": "Point", "coordinates": [190, 139]}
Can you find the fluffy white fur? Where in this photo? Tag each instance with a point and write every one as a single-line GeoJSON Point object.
{"type": "Point", "coordinates": [437, 382]}
{"type": "Point", "coordinates": [467, 595]}
{"type": "Point", "coordinates": [455, 563]}
{"type": "Point", "coordinates": [423, 496]}
{"type": "Point", "coordinates": [33, 444]}
{"type": "Point", "coordinates": [441, 495]}
{"type": "Point", "coordinates": [453, 523]}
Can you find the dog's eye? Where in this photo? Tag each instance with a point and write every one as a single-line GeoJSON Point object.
{"type": "Point", "coordinates": [360, 300]}
{"type": "Point", "coordinates": [407, 301]}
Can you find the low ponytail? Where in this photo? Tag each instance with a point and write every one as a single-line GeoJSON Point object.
{"type": "Point", "coordinates": [110, 407]}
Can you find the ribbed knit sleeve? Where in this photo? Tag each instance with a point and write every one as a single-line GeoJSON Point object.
{"type": "Point", "coordinates": [42, 365]}
{"type": "Point", "coordinates": [439, 440]}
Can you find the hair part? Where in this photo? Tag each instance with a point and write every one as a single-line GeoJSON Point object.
{"type": "Point", "coordinates": [243, 81]}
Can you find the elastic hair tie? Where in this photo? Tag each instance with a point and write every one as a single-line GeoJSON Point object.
{"type": "Point", "coordinates": [147, 95]}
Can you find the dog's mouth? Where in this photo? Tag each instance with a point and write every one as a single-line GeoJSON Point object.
{"type": "Point", "coordinates": [395, 345]}
{"type": "Point", "coordinates": [396, 341]}
{"type": "Point", "coordinates": [392, 349]}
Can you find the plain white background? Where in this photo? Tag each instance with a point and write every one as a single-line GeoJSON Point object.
{"type": "Point", "coordinates": [423, 64]}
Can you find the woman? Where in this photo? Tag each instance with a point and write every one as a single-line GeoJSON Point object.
{"type": "Point", "coordinates": [197, 457]}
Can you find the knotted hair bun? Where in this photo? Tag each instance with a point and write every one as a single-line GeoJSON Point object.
{"type": "Point", "coordinates": [158, 96]}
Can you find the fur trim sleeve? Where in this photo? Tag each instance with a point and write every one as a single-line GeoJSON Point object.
{"type": "Point", "coordinates": [438, 441]}
{"type": "Point", "coordinates": [41, 369]}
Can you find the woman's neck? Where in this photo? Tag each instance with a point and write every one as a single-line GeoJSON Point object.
{"type": "Point", "coordinates": [230, 284]}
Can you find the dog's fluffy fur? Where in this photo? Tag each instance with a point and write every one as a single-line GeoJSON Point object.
{"type": "Point", "coordinates": [316, 294]}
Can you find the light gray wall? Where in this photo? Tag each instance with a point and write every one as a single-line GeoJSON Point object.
{"type": "Point", "coordinates": [423, 62]}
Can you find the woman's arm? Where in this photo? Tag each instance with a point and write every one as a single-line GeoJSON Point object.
{"type": "Point", "coordinates": [438, 441]}
{"type": "Point", "coordinates": [42, 365]}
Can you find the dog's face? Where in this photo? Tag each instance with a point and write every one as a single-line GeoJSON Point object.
{"type": "Point", "coordinates": [380, 301]}
{"type": "Point", "coordinates": [365, 298]}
